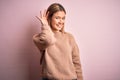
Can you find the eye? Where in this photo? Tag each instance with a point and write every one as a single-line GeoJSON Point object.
{"type": "Point", "coordinates": [56, 17]}
{"type": "Point", "coordinates": [63, 18]}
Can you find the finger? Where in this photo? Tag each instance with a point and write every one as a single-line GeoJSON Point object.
{"type": "Point", "coordinates": [47, 14]}
{"type": "Point", "coordinates": [44, 14]}
{"type": "Point", "coordinates": [38, 18]}
{"type": "Point", "coordinates": [41, 14]}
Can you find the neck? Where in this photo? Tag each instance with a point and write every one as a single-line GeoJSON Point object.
{"type": "Point", "coordinates": [55, 31]}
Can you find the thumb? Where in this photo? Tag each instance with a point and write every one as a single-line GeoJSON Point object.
{"type": "Point", "coordinates": [38, 18]}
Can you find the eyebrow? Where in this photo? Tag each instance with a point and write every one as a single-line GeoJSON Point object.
{"type": "Point", "coordinates": [60, 16]}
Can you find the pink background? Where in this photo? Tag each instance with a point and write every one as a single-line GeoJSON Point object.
{"type": "Point", "coordinates": [95, 25]}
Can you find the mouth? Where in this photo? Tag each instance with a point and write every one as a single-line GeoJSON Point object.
{"type": "Point", "coordinates": [59, 25]}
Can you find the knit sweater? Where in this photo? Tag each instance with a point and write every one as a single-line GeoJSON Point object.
{"type": "Point", "coordinates": [61, 60]}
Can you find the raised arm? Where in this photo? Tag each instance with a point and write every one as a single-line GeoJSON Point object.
{"type": "Point", "coordinates": [46, 37]}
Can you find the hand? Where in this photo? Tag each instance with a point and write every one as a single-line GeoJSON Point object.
{"type": "Point", "coordinates": [43, 19]}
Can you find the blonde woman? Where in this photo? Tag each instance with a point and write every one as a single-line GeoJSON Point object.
{"type": "Point", "coordinates": [60, 58]}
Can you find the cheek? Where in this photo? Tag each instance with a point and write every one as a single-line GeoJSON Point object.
{"type": "Point", "coordinates": [54, 22]}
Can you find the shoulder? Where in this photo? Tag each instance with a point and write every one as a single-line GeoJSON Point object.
{"type": "Point", "coordinates": [68, 34]}
{"type": "Point", "coordinates": [70, 37]}
{"type": "Point", "coordinates": [72, 40]}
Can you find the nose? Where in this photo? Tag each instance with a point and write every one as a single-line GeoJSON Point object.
{"type": "Point", "coordinates": [61, 21]}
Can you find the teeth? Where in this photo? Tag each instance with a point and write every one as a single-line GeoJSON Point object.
{"type": "Point", "coordinates": [59, 26]}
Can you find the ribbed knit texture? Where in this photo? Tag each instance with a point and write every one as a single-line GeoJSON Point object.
{"type": "Point", "coordinates": [61, 58]}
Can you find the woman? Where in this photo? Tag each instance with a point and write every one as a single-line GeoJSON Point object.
{"type": "Point", "coordinates": [60, 55]}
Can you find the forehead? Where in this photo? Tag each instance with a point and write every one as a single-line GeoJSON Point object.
{"type": "Point", "coordinates": [59, 13]}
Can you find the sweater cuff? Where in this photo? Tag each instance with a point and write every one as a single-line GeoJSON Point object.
{"type": "Point", "coordinates": [45, 27]}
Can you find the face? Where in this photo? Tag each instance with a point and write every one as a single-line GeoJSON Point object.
{"type": "Point", "coordinates": [58, 20]}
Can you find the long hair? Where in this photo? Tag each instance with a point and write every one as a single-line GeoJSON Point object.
{"type": "Point", "coordinates": [53, 8]}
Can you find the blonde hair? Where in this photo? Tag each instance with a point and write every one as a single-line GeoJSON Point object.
{"type": "Point", "coordinates": [53, 8]}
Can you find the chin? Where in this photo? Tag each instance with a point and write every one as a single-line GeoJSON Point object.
{"type": "Point", "coordinates": [58, 29]}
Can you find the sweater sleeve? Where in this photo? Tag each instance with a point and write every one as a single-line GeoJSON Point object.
{"type": "Point", "coordinates": [44, 39]}
{"type": "Point", "coordinates": [76, 60]}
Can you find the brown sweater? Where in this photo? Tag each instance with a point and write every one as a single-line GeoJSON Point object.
{"type": "Point", "coordinates": [61, 59]}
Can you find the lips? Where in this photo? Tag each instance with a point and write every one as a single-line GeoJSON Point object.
{"type": "Point", "coordinates": [59, 25]}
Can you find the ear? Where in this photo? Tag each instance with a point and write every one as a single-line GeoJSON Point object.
{"type": "Point", "coordinates": [49, 22]}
